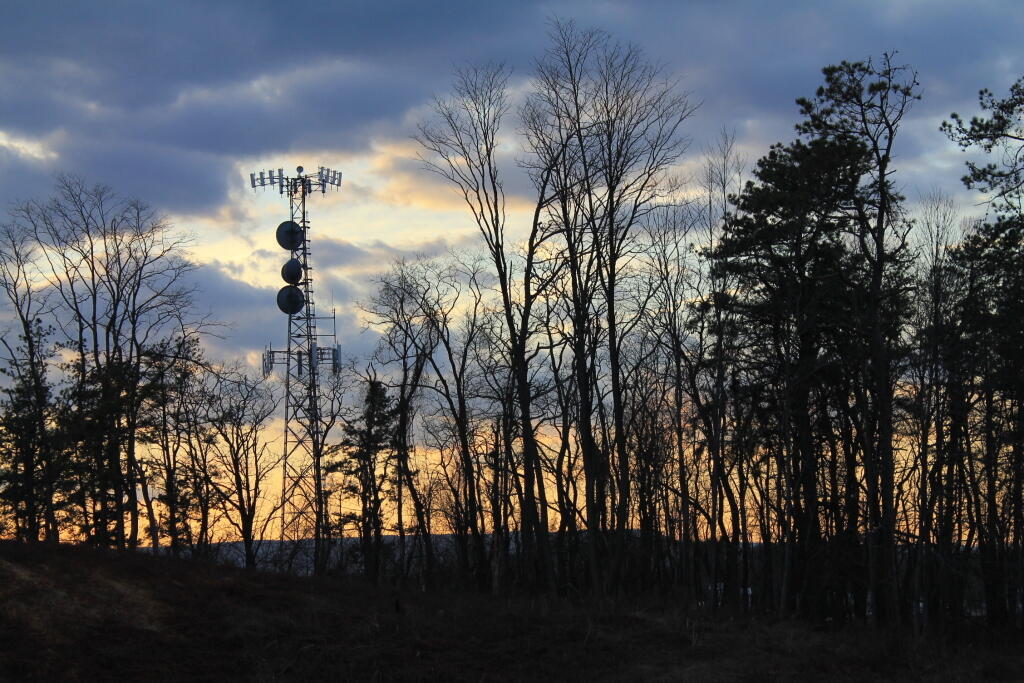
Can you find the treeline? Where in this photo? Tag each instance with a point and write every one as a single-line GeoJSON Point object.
{"type": "Point", "coordinates": [115, 429]}
{"type": "Point", "coordinates": [783, 394]}
{"type": "Point", "coordinates": [773, 390]}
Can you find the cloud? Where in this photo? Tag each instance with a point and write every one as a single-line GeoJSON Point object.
{"type": "Point", "coordinates": [253, 321]}
{"type": "Point", "coordinates": [248, 312]}
{"type": "Point", "coordinates": [205, 85]}
{"type": "Point", "coordinates": [22, 177]}
{"type": "Point", "coordinates": [176, 102]}
{"type": "Point", "coordinates": [162, 99]}
{"type": "Point", "coordinates": [376, 256]}
{"type": "Point", "coordinates": [242, 293]}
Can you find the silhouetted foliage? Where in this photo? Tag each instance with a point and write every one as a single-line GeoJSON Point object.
{"type": "Point", "coordinates": [368, 448]}
{"type": "Point", "coordinates": [786, 395]}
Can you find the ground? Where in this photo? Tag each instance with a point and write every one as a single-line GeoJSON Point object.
{"type": "Point", "coordinates": [80, 614]}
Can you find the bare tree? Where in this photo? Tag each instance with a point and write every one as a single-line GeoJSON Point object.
{"type": "Point", "coordinates": [238, 410]}
{"type": "Point", "coordinates": [462, 147]}
{"type": "Point", "coordinates": [409, 341]}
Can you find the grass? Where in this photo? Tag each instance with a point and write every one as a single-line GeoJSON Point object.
{"type": "Point", "coordinates": [80, 614]}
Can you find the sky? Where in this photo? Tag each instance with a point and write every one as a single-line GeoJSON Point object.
{"type": "Point", "coordinates": [175, 103]}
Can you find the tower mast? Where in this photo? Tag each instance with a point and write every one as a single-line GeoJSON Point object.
{"type": "Point", "coordinates": [303, 500]}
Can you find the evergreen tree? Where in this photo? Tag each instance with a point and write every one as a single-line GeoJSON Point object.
{"type": "Point", "coordinates": [786, 251]}
{"type": "Point", "coordinates": [992, 261]}
{"type": "Point", "coordinates": [31, 471]}
{"type": "Point", "coordinates": [368, 447]}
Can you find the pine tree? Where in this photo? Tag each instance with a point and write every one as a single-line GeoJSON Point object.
{"type": "Point", "coordinates": [368, 448]}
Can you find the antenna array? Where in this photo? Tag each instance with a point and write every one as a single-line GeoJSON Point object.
{"type": "Point", "coordinates": [303, 499]}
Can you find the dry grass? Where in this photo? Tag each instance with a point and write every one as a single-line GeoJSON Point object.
{"type": "Point", "coordinates": [80, 614]}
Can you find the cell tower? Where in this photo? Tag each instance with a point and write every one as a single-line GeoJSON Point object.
{"type": "Point", "coordinates": [303, 501]}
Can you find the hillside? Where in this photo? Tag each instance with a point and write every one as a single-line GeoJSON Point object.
{"type": "Point", "coordinates": [72, 613]}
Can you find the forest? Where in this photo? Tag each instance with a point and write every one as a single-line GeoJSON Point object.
{"type": "Point", "coordinates": [773, 388]}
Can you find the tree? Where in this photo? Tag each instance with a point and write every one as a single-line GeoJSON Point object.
{"type": "Point", "coordinates": [1003, 131]}
{"type": "Point", "coordinates": [708, 349]}
{"type": "Point", "coordinates": [451, 287]}
{"type": "Point", "coordinates": [938, 295]}
{"type": "Point", "coordinates": [34, 465]}
{"type": "Point", "coordinates": [864, 104]}
{"type": "Point", "coordinates": [117, 276]}
{"type": "Point", "coordinates": [410, 341]}
{"type": "Point", "coordinates": [786, 250]}
{"type": "Point", "coordinates": [604, 129]}
{"type": "Point", "coordinates": [172, 430]}
{"type": "Point", "coordinates": [992, 258]}
{"type": "Point", "coordinates": [462, 147]}
{"type": "Point", "coordinates": [368, 447]}
{"type": "Point", "coordinates": [238, 409]}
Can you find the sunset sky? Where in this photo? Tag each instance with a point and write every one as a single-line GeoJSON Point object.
{"type": "Point", "coordinates": [176, 102]}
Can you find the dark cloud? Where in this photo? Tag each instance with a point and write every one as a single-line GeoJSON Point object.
{"type": "Point", "coordinates": [252, 321]}
{"type": "Point", "coordinates": [199, 85]}
{"type": "Point", "coordinates": [142, 53]}
{"type": "Point", "coordinates": [161, 100]}
{"type": "Point", "coordinates": [170, 177]}
{"type": "Point", "coordinates": [375, 256]}
{"type": "Point", "coordinates": [22, 178]}
{"type": "Point", "coordinates": [248, 313]}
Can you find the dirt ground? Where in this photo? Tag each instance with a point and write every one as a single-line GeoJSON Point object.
{"type": "Point", "coordinates": [79, 614]}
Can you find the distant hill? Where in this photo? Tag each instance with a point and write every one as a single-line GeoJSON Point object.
{"type": "Point", "coordinates": [80, 614]}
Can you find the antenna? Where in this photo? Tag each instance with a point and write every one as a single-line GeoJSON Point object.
{"type": "Point", "coordinates": [303, 500]}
